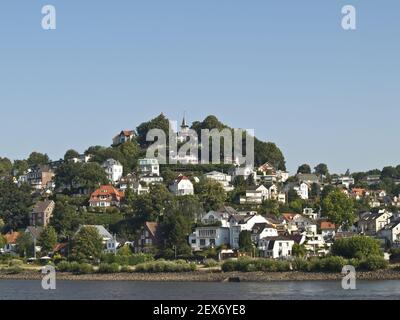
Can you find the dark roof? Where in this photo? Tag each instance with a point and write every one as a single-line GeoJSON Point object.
{"type": "Point", "coordinates": [260, 227]}
{"type": "Point", "coordinates": [42, 206]}
{"type": "Point", "coordinates": [369, 216]}
{"type": "Point", "coordinates": [35, 231]}
{"type": "Point", "coordinates": [392, 225]}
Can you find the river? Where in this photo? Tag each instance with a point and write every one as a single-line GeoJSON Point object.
{"type": "Point", "coordinates": [124, 290]}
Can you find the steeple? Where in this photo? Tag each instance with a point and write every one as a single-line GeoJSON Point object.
{"type": "Point", "coordinates": [184, 123]}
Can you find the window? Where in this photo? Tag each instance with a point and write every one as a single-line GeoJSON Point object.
{"type": "Point", "coordinates": [202, 242]}
{"type": "Point", "coordinates": [193, 241]}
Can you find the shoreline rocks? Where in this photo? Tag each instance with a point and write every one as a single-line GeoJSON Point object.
{"type": "Point", "coordinates": [234, 277]}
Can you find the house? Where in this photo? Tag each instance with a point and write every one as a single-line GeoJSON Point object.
{"type": "Point", "coordinates": [263, 230]}
{"type": "Point", "coordinates": [316, 244]}
{"type": "Point", "coordinates": [106, 196]}
{"type": "Point", "coordinates": [209, 237]}
{"type": "Point", "coordinates": [41, 177]}
{"type": "Point", "coordinates": [243, 222]}
{"type": "Point", "coordinates": [359, 193]}
{"type": "Point", "coordinates": [109, 241]}
{"type": "Point", "coordinates": [308, 178]}
{"type": "Point", "coordinates": [391, 232]}
{"type": "Point", "coordinates": [151, 179]}
{"type": "Point", "coordinates": [224, 179]}
{"type": "Point", "coordinates": [276, 247]}
{"type": "Point", "coordinates": [10, 242]}
{"type": "Point", "coordinates": [255, 195]}
{"type": "Point", "coordinates": [310, 213]}
{"type": "Point", "coordinates": [302, 190]}
{"type": "Point", "coordinates": [182, 186]}
{"type": "Point", "coordinates": [242, 171]}
{"type": "Point", "coordinates": [150, 238]}
{"type": "Point", "coordinates": [187, 158]}
{"type": "Point", "coordinates": [41, 213]}
{"type": "Point", "coordinates": [346, 181]}
{"type": "Point", "coordinates": [298, 223]}
{"type": "Point", "coordinates": [371, 223]}
{"type": "Point", "coordinates": [113, 169]}
{"type": "Point", "coordinates": [327, 229]}
{"type": "Point", "coordinates": [220, 218]}
{"type": "Point", "coordinates": [149, 167]}
{"type": "Point", "coordinates": [123, 136]}
{"type": "Point", "coordinates": [372, 179]}
{"type": "Point", "coordinates": [268, 173]}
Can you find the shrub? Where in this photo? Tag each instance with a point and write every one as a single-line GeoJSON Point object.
{"type": "Point", "coordinates": [301, 265]}
{"type": "Point", "coordinates": [211, 263]}
{"type": "Point", "coordinates": [333, 264]}
{"type": "Point", "coordinates": [85, 268]}
{"type": "Point", "coordinates": [74, 267]}
{"type": "Point", "coordinates": [165, 266]}
{"type": "Point", "coordinates": [63, 266]}
{"type": "Point", "coordinates": [14, 270]}
{"type": "Point", "coordinates": [109, 268]}
{"type": "Point", "coordinates": [15, 263]}
{"type": "Point", "coordinates": [373, 263]}
{"type": "Point", "coordinates": [356, 247]}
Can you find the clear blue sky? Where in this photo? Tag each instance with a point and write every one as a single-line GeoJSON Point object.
{"type": "Point", "coordinates": [285, 68]}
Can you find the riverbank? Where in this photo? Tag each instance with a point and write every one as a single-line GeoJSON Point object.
{"type": "Point", "coordinates": [203, 276]}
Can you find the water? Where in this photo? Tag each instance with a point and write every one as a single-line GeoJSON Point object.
{"type": "Point", "coordinates": [120, 290]}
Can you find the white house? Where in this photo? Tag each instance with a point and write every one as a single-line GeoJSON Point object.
{"type": "Point", "coordinates": [263, 230]}
{"type": "Point", "coordinates": [209, 237]}
{"type": "Point", "coordinates": [239, 223]}
{"type": "Point", "coordinates": [149, 166]}
{"type": "Point", "coordinates": [224, 179]}
{"type": "Point", "coordinates": [113, 169]}
{"type": "Point", "coordinates": [255, 195]}
{"type": "Point", "coordinates": [182, 187]}
{"type": "Point", "coordinates": [302, 190]}
{"type": "Point", "coordinates": [151, 179]}
{"type": "Point", "coordinates": [391, 233]}
{"type": "Point", "coordinates": [276, 247]}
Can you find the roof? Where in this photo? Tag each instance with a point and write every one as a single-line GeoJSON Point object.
{"type": "Point", "coordinates": [327, 225]}
{"type": "Point", "coordinates": [307, 177]}
{"type": "Point", "coordinates": [60, 246]}
{"type": "Point", "coordinates": [289, 216]}
{"type": "Point", "coordinates": [42, 206]}
{"type": "Point", "coordinates": [370, 216]}
{"type": "Point", "coordinates": [11, 237]}
{"type": "Point", "coordinates": [107, 191]}
{"type": "Point", "coordinates": [103, 232]}
{"type": "Point", "coordinates": [260, 227]}
{"type": "Point", "coordinates": [152, 227]}
{"type": "Point", "coordinates": [34, 231]}
{"type": "Point", "coordinates": [392, 225]}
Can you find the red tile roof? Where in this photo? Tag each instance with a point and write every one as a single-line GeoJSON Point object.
{"type": "Point", "coordinates": [112, 193]}
{"type": "Point", "coordinates": [11, 238]}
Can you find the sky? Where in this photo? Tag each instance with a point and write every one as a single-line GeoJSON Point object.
{"type": "Point", "coordinates": [286, 69]}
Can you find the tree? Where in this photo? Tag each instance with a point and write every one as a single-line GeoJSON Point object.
{"type": "Point", "coordinates": [359, 247]}
{"type": "Point", "coordinates": [304, 169]}
{"type": "Point", "coordinates": [270, 207]}
{"type": "Point", "coordinates": [211, 193]}
{"type": "Point", "coordinates": [38, 159]}
{"type": "Point", "coordinates": [299, 251]}
{"type": "Point", "coordinates": [15, 204]}
{"type": "Point", "coordinates": [2, 241]}
{"type": "Point", "coordinates": [389, 172]}
{"type": "Point", "coordinates": [322, 169]}
{"type": "Point", "coordinates": [87, 245]}
{"type": "Point", "coordinates": [339, 208]}
{"type": "Point", "coordinates": [71, 154]}
{"type": "Point", "coordinates": [245, 242]}
{"type": "Point", "coordinates": [20, 167]}
{"type": "Point", "coordinates": [66, 219]}
{"type": "Point", "coordinates": [5, 167]}
{"type": "Point", "coordinates": [160, 122]}
{"type": "Point", "coordinates": [25, 245]}
{"type": "Point", "coordinates": [48, 239]}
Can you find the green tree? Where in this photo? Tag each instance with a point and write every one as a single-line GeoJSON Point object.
{"type": "Point", "coordinates": [15, 204]}
{"type": "Point", "coordinates": [66, 219]}
{"type": "Point", "coordinates": [48, 239]}
{"type": "Point", "coordinates": [160, 122]}
{"type": "Point", "coordinates": [38, 159]}
{"type": "Point", "coordinates": [339, 208]}
{"type": "Point", "coordinates": [87, 245]}
{"type": "Point", "coordinates": [322, 169]}
{"type": "Point", "coordinates": [299, 251]}
{"type": "Point", "coordinates": [304, 169]}
{"type": "Point", "coordinates": [211, 193]}
{"type": "Point", "coordinates": [20, 167]}
{"type": "Point", "coordinates": [71, 154]}
{"type": "Point", "coordinates": [245, 242]}
{"type": "Point", "coordinates": [25, 245]}
{"type": "Point", "coordinates": [270, 207]}
{"type": "Point", "coordinates": [359, 247]}
{"type": "Point", "coordinates": [5, 167]}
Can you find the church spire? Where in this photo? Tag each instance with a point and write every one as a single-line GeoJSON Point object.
{"type": "Point", "coordinates": [184, 123]}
